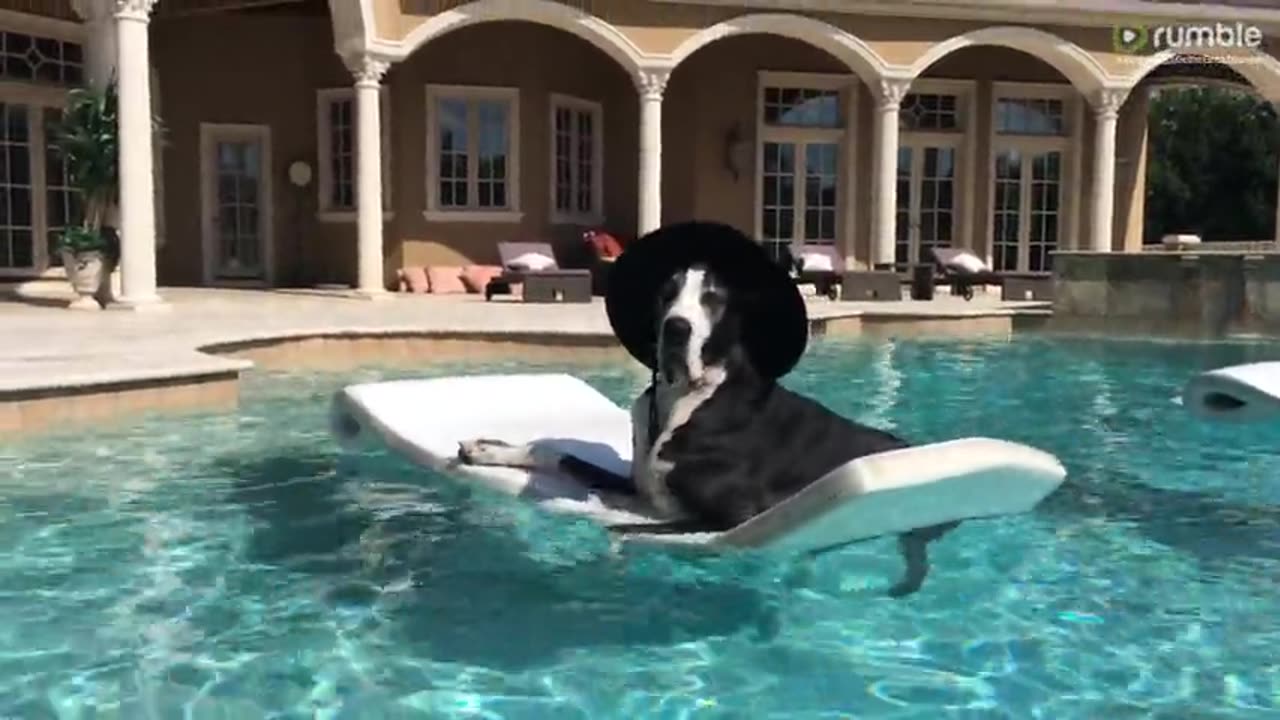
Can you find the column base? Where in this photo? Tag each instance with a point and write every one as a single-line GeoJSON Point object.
{"type": "Point", "coordinates": [375, 294]}
{"type": "Point", "coordinates": [143, 303]}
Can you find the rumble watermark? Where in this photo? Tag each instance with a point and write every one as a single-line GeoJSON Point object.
{"type": "Point", "coordinates": [1144, 39]}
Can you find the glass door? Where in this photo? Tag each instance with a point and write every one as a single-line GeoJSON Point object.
{"type": "Point", "coordinates": [237, 231]}
{"type": "Point", "coordinates": [800, 195]}
{"type": "Point", "coordinates": [926, 208]}
{"type": "Point", "coordinates": [17, 232]}
{"type": "Point", "coordinates": [1026, 211]}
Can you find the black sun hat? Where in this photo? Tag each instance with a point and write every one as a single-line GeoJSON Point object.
{"type": "Point", "coordinates": [776, 327]}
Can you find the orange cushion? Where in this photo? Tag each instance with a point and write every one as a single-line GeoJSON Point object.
{"type": "Point", "coordinates": [414, 279]}
{"type": "Point", "coordinates": [446, 279]}
{"type": "Point", "coordinates": [476, 277]}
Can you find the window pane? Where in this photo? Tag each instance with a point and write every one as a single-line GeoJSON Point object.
{"type": "Point", "coordinates": [17, 249]}
{"type": "Point", "coordinates": [802, 107]}
{"type": "Point", "coordinates": [341, 155]}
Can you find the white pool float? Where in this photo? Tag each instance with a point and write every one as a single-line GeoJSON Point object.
{"type": "Point", "coordinates": [888, 493]}
{"type": "Point", "coordinates": [1238, 393]}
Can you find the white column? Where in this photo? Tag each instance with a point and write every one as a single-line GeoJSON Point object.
{"type": "Point", "coordinates": [884, 187]}
{"type": "Point", "coordinates": [137, 185]}
{"type": "Point", "coordinates": [1106, 109]}
{"type": "Point", "coordinates": [1276, 104]}
{"type": "Point", "coordinates": [370, 280]}
{"type": "Point", "coordinates": [651, 85]}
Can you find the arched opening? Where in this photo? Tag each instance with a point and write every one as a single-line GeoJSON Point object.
{"type": "Point", "coordinates": [510, 131]}
{"type": "Point", "coordinates": [1211, 149]}
{"type": "Point", "coordinates": [991, 156]}
{"type": "Point", "coordinates": [769, 132]}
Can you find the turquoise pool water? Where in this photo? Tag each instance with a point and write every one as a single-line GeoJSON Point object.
{"type": "Point", "coordinates": [235, 567]}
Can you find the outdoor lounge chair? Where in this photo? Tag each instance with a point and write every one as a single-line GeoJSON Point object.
{"type": "Point", "coordinates": [963, 269]}
{"type": "Point", "coordinates": [533, 265]}
{"type": "Point", "coordinates": [820, 265]}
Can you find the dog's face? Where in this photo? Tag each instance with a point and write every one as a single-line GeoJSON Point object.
{"type": "Point", "coordinates": [697, 325]}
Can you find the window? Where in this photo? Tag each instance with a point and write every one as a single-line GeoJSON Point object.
{"type": "Point", "coordinates": [801, 156]}
{"type": "Point", "coordinates": [473, 166]}
{"type": "Point", "coordinates": [930, 112]}
{"type": "Point", "coordinates": [802, 107]}
{"type": "Point", "coordinates": [1030, 116]}
{"type": "Point", "coordinates": [336, 153]}
{"type": "Point", "coordinates": [62, 202]}
{"type": "Point", "coordinates": [36, 201]}
{"type": "Point", "coordinates": [577, 147]}
{"type": "Point", "coordinates": [29, 58]}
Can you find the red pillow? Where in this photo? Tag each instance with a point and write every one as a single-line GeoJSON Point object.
{"type": "Point", "coordinates": [476, 277]}
{"type": "Point", "coordinates": [605, 244]}
{"type": "Point", "coordinates": [414, 279]}
{"type": "Point", "coordinates": [446, 280]}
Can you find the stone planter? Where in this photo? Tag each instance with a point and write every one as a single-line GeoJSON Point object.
{"type": "Point", "coordinates": [89, 273]}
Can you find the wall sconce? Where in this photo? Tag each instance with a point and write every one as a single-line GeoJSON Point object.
{"type": "Point", "coordinates": [735, 151]}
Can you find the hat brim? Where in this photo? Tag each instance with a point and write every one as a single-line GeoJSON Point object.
{"type": "Point", "coordinates": [776, 330]}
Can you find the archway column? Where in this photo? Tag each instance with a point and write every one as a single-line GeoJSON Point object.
{"type": "Point", "coordinates": [884, 188]}
{"type": "Point", "coordinates": [651, 85]}
{"type": "Point", "coordinates": [1106, 110]}
{"type": "Point", "coordinates": [136, 137]}
{"type": "Point", "coordinates": [370, 272]}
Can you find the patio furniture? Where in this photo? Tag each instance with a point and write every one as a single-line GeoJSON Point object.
{"type": "Point", "coordinates": [884, 285]}
{"type": "Point", "coordinates": [604, 248]}
{"type": "Point", "coordinates": [963, 269]}
{"type": "Point", "coordinates": [572, 286]}
{"type": "Point", "coordinates": [534, 263]}
{"type": "Point", "coordinates": [820, 265]}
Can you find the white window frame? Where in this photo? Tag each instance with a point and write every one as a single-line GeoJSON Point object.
{"type": "Point", "coordinates": [435, 213]}
{"type": "Point", "coordinates": [595, 216]}
{"type": "Point", "coordinates": [1068, 144]}
{"type": "Point", "coordinates": [965, 142]}
{"type": "Point", "coordinates": [846, 205]}
{"type": "Point", "coordinates": [37, 99]}
{"type": "Point", "coordinates": [324, 153]}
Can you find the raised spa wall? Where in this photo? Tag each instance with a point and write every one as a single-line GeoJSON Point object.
{"type": "Point", "coordinates": [1184, 293]}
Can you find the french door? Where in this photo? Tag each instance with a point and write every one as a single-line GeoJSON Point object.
{"type": "Point", "coordinates": [237, 199]}
{"type": "Point", "coordinates": [927, 198]}
{"type": "Point", "coordinates": [1027, 206]}
{"type": "Point", "coordinates": [800, 193]}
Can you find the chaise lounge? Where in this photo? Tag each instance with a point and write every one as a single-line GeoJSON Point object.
{"type": "Point", "coordinates": [963, 269]}
{"type": "Point", "coordinates": [820, 265]}
{"type": "Point", "coordinates": [533, 265]}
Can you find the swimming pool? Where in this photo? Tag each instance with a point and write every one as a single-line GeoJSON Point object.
{"type": "Point", "coordinates": [234, 566]}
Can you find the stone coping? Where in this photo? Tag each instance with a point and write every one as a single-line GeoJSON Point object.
{"type": "Point", "coordinates": [171, 350]}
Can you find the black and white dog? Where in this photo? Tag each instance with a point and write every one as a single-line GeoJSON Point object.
{"type": "Point", "coordinates": [715, 441]}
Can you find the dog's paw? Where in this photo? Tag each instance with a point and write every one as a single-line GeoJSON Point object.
{"type": "Point", "coordinates": [486, 451]}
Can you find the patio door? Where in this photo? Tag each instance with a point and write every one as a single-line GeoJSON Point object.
{"type": "Point", "coordinates": [800, 191]}
{"type": "Point", "coordinates": [235, 171]}
{"type": "Point", "coordinates": [1027, 216]}
{"type": "Point", "coordinates": [926, 211]}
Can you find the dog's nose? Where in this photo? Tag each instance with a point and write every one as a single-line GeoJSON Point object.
{"type": "Point", "coordinates": [676, 332]}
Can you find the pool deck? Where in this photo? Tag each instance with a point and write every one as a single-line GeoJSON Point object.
{"type": "Point", "coordinates": [204, 338]}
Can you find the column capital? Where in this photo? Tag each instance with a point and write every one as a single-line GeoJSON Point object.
{"type": "Point", "coordinates": [890, 92]}
{"type": "Point", "coordinates": [651, 84]}
{"type": "Point", "coordinates": [367, 69]}
{"type": "Point", "coordinates": [132, 9]}
{"type": "Point", "coordinates": [1107, 101]}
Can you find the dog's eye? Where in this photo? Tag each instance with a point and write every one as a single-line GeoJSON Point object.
{"type": "Point", "coordinates": [712, 300]}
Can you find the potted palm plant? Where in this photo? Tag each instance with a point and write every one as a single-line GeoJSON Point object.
{"type": "Point", "coordinates": [87, 138]}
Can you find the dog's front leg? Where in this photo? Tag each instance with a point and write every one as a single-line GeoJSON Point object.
{"type": "Point", "coordinates": [915, 553]}
{"type": "Point", "coordinates": [486, 451]}
{"type": "Point", "coordinates": [536, 457]}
